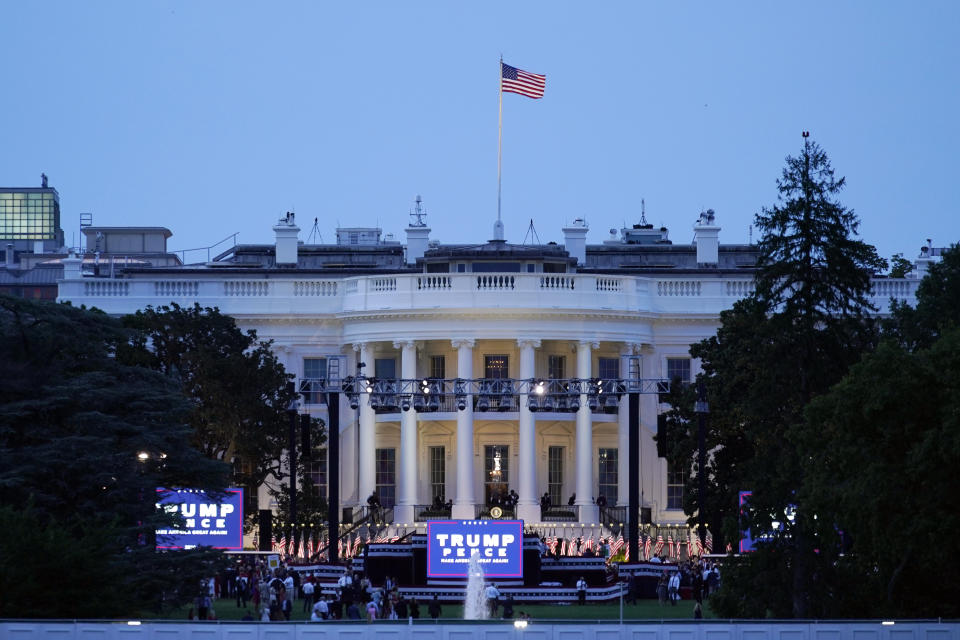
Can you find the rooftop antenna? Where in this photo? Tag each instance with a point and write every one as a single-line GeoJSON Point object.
{"type": "Point", "coordinates": [532, 234]}
{"type": "Point", "coordinates": [418, 214]}
{"type": "Point", "coordinates": [643, 211]}
{"type": "Point", "coordinates": [315, 232]}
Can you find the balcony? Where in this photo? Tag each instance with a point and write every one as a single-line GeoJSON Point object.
{"type": "Point", "coordinates": [294, 295]}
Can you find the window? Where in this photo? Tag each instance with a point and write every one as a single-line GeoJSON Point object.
{"type": "Point", "coordinates": [438, 473]}
{"type": "Point", "coordinates": [675, 481]}
{"type": "Point", "coordinates": [317, 472]}
{"type": "Point", "coordinates": [531, 268]}
{"type": "Point", "coordinates": [461, 267]}
{"type": "Point", "coordinates": [555, 475]}
{"type": "Point", "coordinates": [633, 368]}
{"type": "Point", "coordinates": [608, 368]}
{"type": "Point", "coordinates": [314, 370]}
{"type": "Point", "coordinates": [438, 367]}
{"type": "Point", "coordinates": [556, 367]}
{"type": "Point", "coordinates": [496, 470]}
{"type": "Point", "coordinates": [608, 475]}
{"type": "Point", "coordinates": [386, 477]}
{"type": "Point", "coordinates": [495, 367]}
{"type": "Point", "coordinates": [678, 368]}
{"type": "Point", "coordinates": [385, 368]}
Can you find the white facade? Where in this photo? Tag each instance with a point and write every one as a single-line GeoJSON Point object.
{"type": "Point", "coordinates": [548, 316]}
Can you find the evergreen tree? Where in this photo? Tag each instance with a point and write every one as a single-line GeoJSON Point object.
{"type": "Point", "coordinates": [74, 422]}
{"type": "Point", "coordinates": [794, 337]}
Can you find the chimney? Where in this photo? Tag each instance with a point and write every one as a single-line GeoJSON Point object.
{"type": "Point", "coordinates": [286, 230]}
{"type": "Point", "coordinates": [922, 264]}
{"type": "Point", "coordinates": [418, 240]}
{"type": "Point", "coordinates": [71, 266]}
{"type": "Point", "coordinates": [575, 240]}
{"type": "Point", "coordinates": [706, 235]}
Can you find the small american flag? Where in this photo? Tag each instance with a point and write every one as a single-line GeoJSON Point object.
{"type": "Point", "coordinates": [670, 546]}
{"type": "Point", "coordinates": [646, 547]}
{"type": "Point", "coordinates": [657, 549]}
{"type": "Point", "coordinates": [709, 542]}
{"type": "Point", "coordinates": [513, 80]}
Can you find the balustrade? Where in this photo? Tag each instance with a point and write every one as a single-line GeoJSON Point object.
{"type": "Point", "coordinates": [364, 293]}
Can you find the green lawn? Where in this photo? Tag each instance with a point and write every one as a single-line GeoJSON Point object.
{"type": "Point", "coordinates": [644, 610]}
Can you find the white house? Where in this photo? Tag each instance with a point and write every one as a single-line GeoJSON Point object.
{"type": "Point", "coordinates": [500, 318]}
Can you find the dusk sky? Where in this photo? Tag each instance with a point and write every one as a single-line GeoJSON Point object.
{"type": "Point", "coordinates": [211, 118]}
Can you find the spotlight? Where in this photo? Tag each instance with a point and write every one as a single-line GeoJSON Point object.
{"type": "Point", "coordinates": [405, 403]}
{"type": "Point", "coordinates": [375, 401]}
{"type": "Point", "coordinates": [483, 403]}
{"type": "Point", "coordinates": [538, 388]}
{"type": "Point", "coordinates": [354, 401]}
{"type": "Point", "coordinates": [593, 402]}
{"type": "Point", "coordinates": [533, 403]}
{"type": "Point", "coordinates": [461, 403]}
{"type": "Point", "coordinates": [573, 403]}
{"type": "Point", "coordinates": [418, 402]}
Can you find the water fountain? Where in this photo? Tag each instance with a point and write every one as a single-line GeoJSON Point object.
{"type": "Point", "coordinates": [475, 604]}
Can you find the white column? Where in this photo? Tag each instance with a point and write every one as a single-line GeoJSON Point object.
{"type": "Point", "coordinates": [584, 452]}
{"type": "Point", "coordinates": [528, 508]}
{"type": "Point", "coordinates": [407, 484]}
{"type": "Point", "coordinates": [623, 430]}
{"type": "Point", "coordinates": [463, 504]}
{"type": "Point", "coordinates": [366, 434]}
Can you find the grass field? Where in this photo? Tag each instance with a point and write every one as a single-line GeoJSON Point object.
{"type": "Point", "coordinates": [644, 610]}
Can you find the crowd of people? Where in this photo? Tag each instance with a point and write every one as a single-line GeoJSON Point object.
{"type": "Point", "coordinates": [272, 594]}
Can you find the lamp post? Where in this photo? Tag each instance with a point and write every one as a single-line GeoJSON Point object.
{"type": "Point", "coordinates": [292, 414]}
{"type": "Point", "coordinates": [701, 408]}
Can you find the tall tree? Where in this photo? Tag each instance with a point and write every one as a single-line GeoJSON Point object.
{"type": "Point", "coordinates": [239, 388]}
{"type": "Point", "coordinates": [84, 442]}
{"type": "Point", "coordinates": [877, 455]}
{"type": "Point", "coordinates": [796, 335]}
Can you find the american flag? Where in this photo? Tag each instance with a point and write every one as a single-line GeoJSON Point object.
{"type": "Point", "coordinates": [670, 546]}
{"type": "Point", "coordinates": [657, 549]}
{"type": "Point", "coordinates": [709, 542]}
{"type": "Point", "coordinates": [646, 547]}
{"type": "Point", "coordinates": [282, 544]}
{"type": "Point", "coordinates": [515, 80]}
{"type": "Point", "coordinates": [616, 545]}
{"type": "Point", "coordinates": [340, 547]}
{"type": "Point", "coordinates": [356, 546]}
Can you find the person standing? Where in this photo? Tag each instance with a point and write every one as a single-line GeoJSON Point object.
{"type": "Point", "coordinates": [308, 591]}
{"type": "Point", "coordinates": [673, 588]}
{"type": "Point", "coordinates": [434, 608]}
{"type": "Point", "coordinates": [493, 599]}
{"type": "Point", "coordinates": [581, 591]}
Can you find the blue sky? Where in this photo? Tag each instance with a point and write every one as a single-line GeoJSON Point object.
{"type": "Point", "coordinates": [211, 118]}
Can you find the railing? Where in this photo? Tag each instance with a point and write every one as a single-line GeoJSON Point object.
{"type": "Point", "coordinates": [565, 513]}
{"type": "Point", "coordinates": [613, 516]}
{"type": "Point", "coordinates": [425, 512]}
{"type": "Point", "coordinates": [296, 294]}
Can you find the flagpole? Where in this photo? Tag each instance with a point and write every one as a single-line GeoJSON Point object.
{"type": "Point", "coordinates": [500, 137]}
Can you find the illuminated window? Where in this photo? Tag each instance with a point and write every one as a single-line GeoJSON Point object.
{"type": "Point", "coordinates": [496, 470]}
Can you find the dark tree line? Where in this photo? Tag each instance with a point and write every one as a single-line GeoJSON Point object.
{"type": "Point", "coordinates": [843, 427]}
